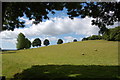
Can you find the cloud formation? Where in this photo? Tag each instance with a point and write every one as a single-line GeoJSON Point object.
{"type": "Point", "coordinates": [53, 27]}
{"type": "Point", "coordinates": [69, 39]}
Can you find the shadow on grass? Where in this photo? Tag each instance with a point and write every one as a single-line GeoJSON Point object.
{"type": "Point", "coordinates": [67, 72]}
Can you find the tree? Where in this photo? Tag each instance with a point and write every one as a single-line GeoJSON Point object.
{"type": "Point", "coordinates": [93, 37]}
{"type": "Point", "coordinates": [36, 42]}
{"type": "Point", "coordinates": [60, 41]}
{"type": "Point", "coordinates": [46, 42]}
{"type": "Point", "coordinates": [75, 40]}
{"type": "Point", "coordinates": [103, 30]}
{"type": "Point", "coordinates": [103, 13]}
{"type": "Point", "coordinates": [84, 39]}
{"type": "Point", "coordinates": [28, 44]}
{"type": "Point", "coordinates": [21, 41]}
{"type": "Point", "coordinates": [112, 34]}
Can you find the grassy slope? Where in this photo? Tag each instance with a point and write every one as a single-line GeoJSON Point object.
{"type": "Point", "coordinates": [68, 53]}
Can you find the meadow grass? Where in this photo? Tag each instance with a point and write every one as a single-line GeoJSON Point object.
{"type": "Point", "coordinates": [96, 52]}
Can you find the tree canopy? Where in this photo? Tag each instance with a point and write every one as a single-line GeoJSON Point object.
{"type": "Point", "coordinates": [93, 37]}
{"type": "Point", "coordinates": [22, 42]}
{"type": "Point", "coordinates": [103, 13]}
{"type": "Point", "coordinates": [28, 43]}
{"type": "Point", "coordinates": [75, 40]}
{"type": "Point", "coordinates": [112, 34]}
{"type": "Point", "coordinates": [36, 42]}
{"type": "Point", "coordinates": [60, 41]}
{"type": "Point", "coordinates": [46, 42]}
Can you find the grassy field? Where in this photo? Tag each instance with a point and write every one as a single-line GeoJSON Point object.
{"type": "Point", "coordinates": [100, 59]}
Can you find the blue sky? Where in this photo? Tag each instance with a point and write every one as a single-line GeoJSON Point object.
{"type": "Point", "coordinates": [59, 26]}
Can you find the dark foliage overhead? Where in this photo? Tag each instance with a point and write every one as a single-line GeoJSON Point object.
{"type": "Point", "coordinates": [104, 13]}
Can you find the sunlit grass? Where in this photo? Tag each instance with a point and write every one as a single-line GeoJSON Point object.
{"type": "Point", "coordinates": [96, 52]}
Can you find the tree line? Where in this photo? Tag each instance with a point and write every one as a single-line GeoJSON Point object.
{"type": "Point", "coordinates": [112, 34]}
{"type": "Point", "coordinates": [25, 43]}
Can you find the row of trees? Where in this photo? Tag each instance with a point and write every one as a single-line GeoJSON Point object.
{"type": "Point", "coordinates": [93, 37]}
{"type": "Point", "coordinates": [112, 34]}
{"type": "Point", "coordinates": [37, 42]}
{"type": "Point", "coordinates": [24, 43]}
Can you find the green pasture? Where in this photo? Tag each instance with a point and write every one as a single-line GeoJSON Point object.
{"type": "Point", "coordinates": [83, 59]}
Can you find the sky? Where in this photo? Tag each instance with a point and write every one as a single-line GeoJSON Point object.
{"type": "Point", "coordinates": [59, 26]}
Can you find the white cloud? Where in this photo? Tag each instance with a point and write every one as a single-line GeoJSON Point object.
{"type": "Point", "coordinates": [51, 28]}
{"type": "Point", "coordinates": [115, 25]}
{"type": "Point", "coordinates": [5, 43]}
{"type": "Point", "coordinates": [8, 34]}
{"type": "Point", "coordinates": [27, 21]}
{"type": "Point", "coordinates": [32, 39]}
{"type": "Point", "coordinates": [56, 26]}
{"type": "Point", "coordinates": [80, 39]}
{"type": "Point", "coordinates": [14, 41]}
{"type": "Point", "coordinates": [52, 38]}
{"type": "Point", "coordinates": [69, 39]}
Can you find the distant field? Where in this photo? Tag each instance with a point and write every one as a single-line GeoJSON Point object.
{"type": "Point", "coordinates": [100, 55]}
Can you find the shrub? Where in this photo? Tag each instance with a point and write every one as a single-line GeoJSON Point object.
{"type": "Point", "coordinates": [75, 40]}
{"type": "Point", "coordinates": [60, 41]}
{"type": "Point", "coordinates": [46, 42]}
{"type": "Point", "coordinates": [36, 42]}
